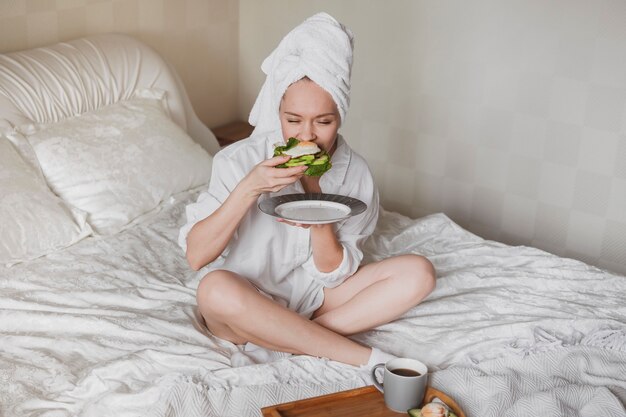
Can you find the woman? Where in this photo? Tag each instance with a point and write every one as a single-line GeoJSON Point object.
{"type": "Point", "coordinates": [281, 285]}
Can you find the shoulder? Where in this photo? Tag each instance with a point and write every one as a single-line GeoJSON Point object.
{"type": "Point", "coordinates": [242, 150]}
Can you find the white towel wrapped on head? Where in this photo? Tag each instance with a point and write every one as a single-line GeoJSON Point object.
{"type": "Point", "coordinates": [321, 49]}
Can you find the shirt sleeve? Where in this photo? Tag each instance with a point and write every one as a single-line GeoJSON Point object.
{"type": "Point", "coordinates": [220, 186]}
{"type": "Point", "coordinates": [351, 234]}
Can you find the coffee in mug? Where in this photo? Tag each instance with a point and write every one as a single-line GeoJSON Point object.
{"type": "Point", "coordinates": [404, 383]}
{"type": "Point", "coordinates": [405, 372]}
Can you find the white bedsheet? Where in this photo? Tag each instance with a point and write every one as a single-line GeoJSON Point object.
{"type": "Point", "coordinates": [108, 327]}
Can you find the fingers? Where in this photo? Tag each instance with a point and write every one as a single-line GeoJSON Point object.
{"type": "Point", "coordinates": [266, 178]}
{"type": "Point", "coordinates": [283, 172]}
{"type": "Point", "coordinates": [274, 185]}
{"type": "Point", "coordinates": [277, 184]}
{"type": "Point", "coordinates": [291, 173]}
{"type": "Point", "coordinates": [277, 160]}
{"type": "Point", "coordinates": [304, 226]}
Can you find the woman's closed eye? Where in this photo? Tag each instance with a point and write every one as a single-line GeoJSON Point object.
{"type": "Point", "coordinates": [293, 121]}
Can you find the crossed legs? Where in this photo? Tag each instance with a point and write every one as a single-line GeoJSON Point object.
{"type": "Point", "coordinates": [376, 294]}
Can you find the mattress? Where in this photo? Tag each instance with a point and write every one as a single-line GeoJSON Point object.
{"type": "Point", "coordinates": [109, 327]}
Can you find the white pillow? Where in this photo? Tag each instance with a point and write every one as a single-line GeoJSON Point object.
{"type": "Point", "coordinates": [33, 221]}
{"type": "Point", "coordinates": [120, 161]}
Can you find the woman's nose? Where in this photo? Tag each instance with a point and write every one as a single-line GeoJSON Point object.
{"type": "Point", "coordinates": [307, 132]}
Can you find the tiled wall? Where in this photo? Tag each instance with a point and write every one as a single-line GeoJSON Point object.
{"type": "Point", "coordinates": [198, 37]}
{"type": "Point", "coordinates": [510, 117]}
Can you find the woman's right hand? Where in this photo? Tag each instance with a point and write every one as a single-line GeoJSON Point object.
{"type": "Point", "coordinates": [266, 178]}
{"type": "Point", "coordinates": [219, 227]}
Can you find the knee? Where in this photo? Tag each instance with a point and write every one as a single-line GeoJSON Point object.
{"type": "Point", "coordinates": [220, 294]}
{"type": "Point", "coordinates": [419, 277]}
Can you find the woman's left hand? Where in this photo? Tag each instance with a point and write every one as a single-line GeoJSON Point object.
{"type": "Point", "coordinates": [304, 226]}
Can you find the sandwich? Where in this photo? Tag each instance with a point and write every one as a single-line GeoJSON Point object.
{"type": "Point", "coordinates": [307, 153]}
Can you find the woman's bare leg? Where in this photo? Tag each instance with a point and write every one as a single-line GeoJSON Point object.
{"type": "Point", "coordinates": [376, 294]}
{"type": "Point", "coordinates": [234, 310]}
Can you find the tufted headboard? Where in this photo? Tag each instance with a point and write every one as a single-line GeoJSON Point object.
{"type": "Point", "coordinates": [51, 83]}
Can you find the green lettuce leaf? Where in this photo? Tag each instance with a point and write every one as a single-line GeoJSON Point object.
{"type": "Point", "coordinates": [290, 144]}
{"type": "Point", "coordinates": [318, 170]}
{"type": "Point", "coordinates": [313, 170]}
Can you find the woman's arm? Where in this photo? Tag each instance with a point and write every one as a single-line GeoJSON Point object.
{"type": "Point", "coordinates": [348, 234]}
{"type": "Point", "coordinates": [208, 238]}
{"type": "Point", "coordinates": [326, 248]}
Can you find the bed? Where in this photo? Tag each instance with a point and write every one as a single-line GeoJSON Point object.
{"type": "Point", "coordinates": [97, 303]}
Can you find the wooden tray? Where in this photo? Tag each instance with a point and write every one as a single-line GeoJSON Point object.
{"type": "Point", "coordinates": [359, 402]}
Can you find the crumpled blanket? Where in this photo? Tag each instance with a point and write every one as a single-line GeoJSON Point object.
{"type": "Point", "coordinates": [108, 327]}
{"type": "Point", "coordinates": [568, 381]}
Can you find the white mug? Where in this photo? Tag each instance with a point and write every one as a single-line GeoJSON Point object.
{"type": "Point", "coordinates": [404, 383]}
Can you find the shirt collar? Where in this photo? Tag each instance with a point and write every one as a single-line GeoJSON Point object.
{"type": "Point", "coordinates": [340, 159]}
{"type": "Point", "coordinates": [271, 141]}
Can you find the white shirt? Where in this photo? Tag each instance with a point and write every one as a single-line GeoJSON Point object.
{"type": "Point", "coordinates": [276, 257]}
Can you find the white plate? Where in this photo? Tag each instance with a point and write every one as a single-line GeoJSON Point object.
{"type": "Point", "coordinates": [312, 208]}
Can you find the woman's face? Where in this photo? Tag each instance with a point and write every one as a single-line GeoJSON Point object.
{"type": "Point", "coordinates": [308, 112]}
